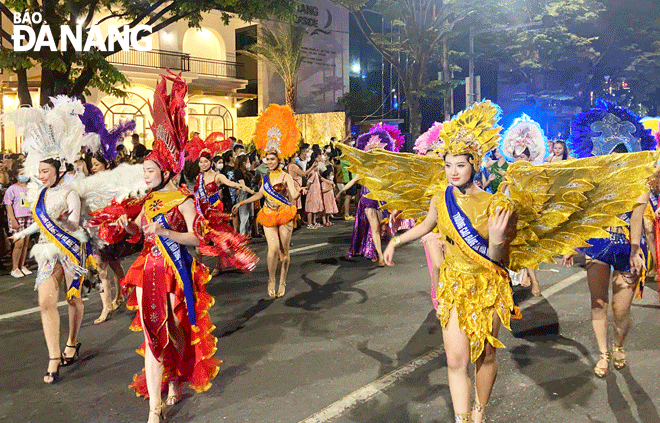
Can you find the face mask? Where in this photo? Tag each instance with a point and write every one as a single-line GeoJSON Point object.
{"type": "Point", "coordinates": [23, 179]}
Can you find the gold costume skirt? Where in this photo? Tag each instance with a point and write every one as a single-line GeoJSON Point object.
{"type": "Point", "coordinates": [477, 293]}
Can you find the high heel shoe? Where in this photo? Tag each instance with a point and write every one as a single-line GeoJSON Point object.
{"type": "Point", "coordinates": [67, 361]}
{"type": "Point", "coordinates": [280, 290]}
{"type": "Point", "coordinates": [158, 411]}
{"type": "Point", "coordinates": [464, 417]}
{"type": "Point", "coordinates": [106, 314]}
{"type": "Point", "coordinates": [56, 374]}
{"type": "Point", "coordinates": [173, 398]}
{"type": "Point", "coordinates": [479, 408]}
{"type": "Point", "coordinates": [619, 363]}
{"type": "Point", "coordinates": [602, 372]}
{"type": "Point", "coordinates": [116, 303]}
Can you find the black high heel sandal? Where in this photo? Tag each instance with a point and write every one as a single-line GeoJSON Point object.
{"type": "Point", "coordinates": [56, 374]}
{"type": "Point", "coordinates": [67, 361]}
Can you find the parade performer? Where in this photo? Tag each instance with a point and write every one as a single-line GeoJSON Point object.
{"type": "Point", "coordinates": [603, 130]}
{"type": "Point", "coordinates": [428, 143]}
{"type": "Point", "coordinates": [276, 138]}
{"type": "Point", "coordinates": [208, 185]}
{"type": "Point", "coordinates": [170, 286]}
{"type": "Point", "coordinates": [103, 160]}
{"type": "Point", "coordinates": [366, 239]}
{"type": "Point", "coordinates": [525, 141]}
{"type": "Point", "coordinates": [555, 205]}
{"type": "Point", "coordinates": [53, 138]}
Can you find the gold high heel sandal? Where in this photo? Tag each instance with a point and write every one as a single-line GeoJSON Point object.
{"type": "Point", "coordinates": [465, 417]}
{"type": "Point", "coordinates": [602, 372]}
{"type": "Point", "coordinates": [619, 363]}
{"type": "Point", "coordinates": [106, 314]}
{"type": "Point", "coordinates": [479, 408]}
{"type": "Point", "coordinates": [158, 412]}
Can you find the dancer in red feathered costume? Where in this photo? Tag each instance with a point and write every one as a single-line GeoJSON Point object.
{"type": "Point", "coordinates": [170, 293]}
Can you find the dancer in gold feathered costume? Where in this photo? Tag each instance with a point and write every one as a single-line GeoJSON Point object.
{"type": "Point", "coordinates": [557, 207]}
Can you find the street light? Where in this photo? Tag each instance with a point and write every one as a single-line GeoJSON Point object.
{"type": "Point", "coordinates": [544, 23]}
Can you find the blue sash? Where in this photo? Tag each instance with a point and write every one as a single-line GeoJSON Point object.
{"type": "Point", "coordinates": [653, 199]}
{"type": "Point", "coordinates": [179, 257]}
{"type": "Point", "coordinates": [78, 252]}
{"type": "Point", "coordinates": [464, 227]}
{"type": "Point", "coordinates": [270, 191]}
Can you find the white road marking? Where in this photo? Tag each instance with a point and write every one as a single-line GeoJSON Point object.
{"type": "Point", "coordinates": [61, 303]}
{"type": "Point", "coordinates": [28, 311]}
{"type": "Point", "coordinates": [309, 247]}
{"type": "Point", "coordinates": [11, 287]}
{"type": "Point", "coordinates": [336, 409]}
{"type": "Point", "coordinates": [368, 391]}
{"type": "Point", "coordinates": [561, 285]}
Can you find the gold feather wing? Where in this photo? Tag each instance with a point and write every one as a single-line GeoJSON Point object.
{"type": "Point", "coordinates": [404, 181]}
{"type": "Point", "coordinates": [561, 205]}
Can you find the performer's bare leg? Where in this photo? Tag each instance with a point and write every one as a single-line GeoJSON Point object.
{"type": "Point", "coordinates": [598, 278]}
{"type": "Point", "coordinates": [48, 292]}
{"type": "Point", "coordinates": [536, 289]}
{"type": "Point", "coordinates": [374, 223]}
{"type": "Point", "coordinates": [457, 348]}
{"type": "Point", "coordinates": [623, 291]}
{"type": "Point", "coordinates": [116, 267]}
{"type": "Point", "coordinates": [106, 295]}
{"type": "Point", "coordinates": [485, 373]}
{"type": "Point", "coordinates": [285, 241]}
{"type": "Point", "coordinates": [273, 240]}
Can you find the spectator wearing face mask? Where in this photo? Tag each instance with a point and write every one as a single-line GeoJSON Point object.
{"type": "Point", "coordinates": [19, 217]}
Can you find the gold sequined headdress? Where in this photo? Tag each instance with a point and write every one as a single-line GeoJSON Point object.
{"type": "Point", "coordinates": [473, 131]}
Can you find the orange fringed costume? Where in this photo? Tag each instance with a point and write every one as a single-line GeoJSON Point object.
{"type": "Point", "coordinates": [277, 209]}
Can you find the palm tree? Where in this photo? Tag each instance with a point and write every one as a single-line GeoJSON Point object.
{"type": "Point", "coordinates": [283, 51]}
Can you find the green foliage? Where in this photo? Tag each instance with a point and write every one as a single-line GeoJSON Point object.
{"type": "Point", "coordinates": [79, 71]}
{"type": "Point", "coordinates": [282, 49]}
{"type": "Point", "coordinates": [359, 104]}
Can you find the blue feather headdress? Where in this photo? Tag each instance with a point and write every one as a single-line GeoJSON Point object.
{"type": "Point", "coordinates": [600, 130]}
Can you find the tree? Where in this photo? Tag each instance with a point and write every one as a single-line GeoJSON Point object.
{"type": "Point", "coordinates": [74, 73]}
{"type": "Point", "coordinates": [586, 42]}
{"type": "Point", "coordinates": [281, 49]}
{"type": "Point", "coordinates": [415, 39]}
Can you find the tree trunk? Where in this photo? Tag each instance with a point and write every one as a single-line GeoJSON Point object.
{"type": "Point", "coordinates": [52, 83]}
{"type": "Point", "coordinates": [78, 88]}
{"type": "Point", "coordinates": [24, 98]}
{"type": "Point", "coordinates": [414, 116]}
{"type": "Point", "coordinates": [47, 86]}
{"type": "Point", "coordinates": [290, 95]}
{"type": "Point", "coordinates": [446, 77]}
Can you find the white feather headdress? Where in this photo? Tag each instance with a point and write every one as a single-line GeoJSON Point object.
{"type": "Point", "coordinates": [49, 132]}
{"type": "Point", "coordinates": [523, 134]}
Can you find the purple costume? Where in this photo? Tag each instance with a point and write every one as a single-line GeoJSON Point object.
{"type": "Point", "coordinates": [362, 244]}
{"type": "Point", "coordinates": [388, 138]}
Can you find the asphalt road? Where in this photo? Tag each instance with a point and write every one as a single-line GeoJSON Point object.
{"type": "Point", "coordinates": [350, 342]}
